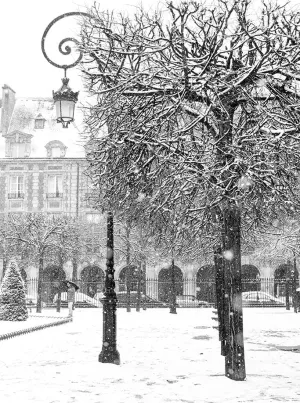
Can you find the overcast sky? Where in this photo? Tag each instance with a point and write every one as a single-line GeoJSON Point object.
{"type": "Point", "coordinates": [22, 64]}
{"type": "Point", "coordinates": [23, 22]}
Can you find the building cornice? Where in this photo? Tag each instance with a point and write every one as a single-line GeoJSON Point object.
{"type": "Point", "coordinates": [45, 160]}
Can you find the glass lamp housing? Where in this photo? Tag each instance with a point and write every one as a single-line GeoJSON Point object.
{"type": "Point", "coordinates": [65, 100]}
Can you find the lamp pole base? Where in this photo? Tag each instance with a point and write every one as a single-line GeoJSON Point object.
{"type": "Point", "coordinates": [109, 356]}
{"type": "Point", "coordinates": [109, 353]}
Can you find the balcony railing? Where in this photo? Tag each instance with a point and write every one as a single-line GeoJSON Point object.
{"type": "Point", "coordinates": [17, 195]}
{"type": "Point", "coordinates": [54, 195]}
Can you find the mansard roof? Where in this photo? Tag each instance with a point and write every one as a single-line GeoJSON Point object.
{"type": "Point", "coordinates": [22, 122]}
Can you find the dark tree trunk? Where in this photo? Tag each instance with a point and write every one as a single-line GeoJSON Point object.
{"type": "Point", "coordinates": [235, 358]}
{"type": "Point", "coordinates": [143, 285]}
{"type": "Point", "coordinates": [173, 289]}
{"type": "Point", "coordinates": [294, 285]}
{"type": "Point", "coordinates": [75, 268]}
{"type": "Point", "coordinates": [287, 286]}
{"type": "Point", "coordinates": [138, 298]}
{"type": "Point", "coordinates": [40, 284]}
{"type": "Point", "coordinates": [58, 302]}
{"type": "Point", "coordinates": [222, 305]}
{"type": "Point", "coordinates": [128, 271]}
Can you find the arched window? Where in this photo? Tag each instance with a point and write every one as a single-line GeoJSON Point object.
{"type": "Point", "coordinates": [55, 149]}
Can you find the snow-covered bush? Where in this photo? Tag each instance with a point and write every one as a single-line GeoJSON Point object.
{"type": "Point", "coordinates": [12, 295]}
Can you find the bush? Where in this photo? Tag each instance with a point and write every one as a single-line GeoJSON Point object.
{"type": "Point", "coordinates": [12, 295]}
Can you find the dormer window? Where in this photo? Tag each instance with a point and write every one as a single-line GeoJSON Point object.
{"type": "Point", "coordinates": [55, 149]}
{"type": "Point", "coordinates": [17, 144]}
{"type": "Point", "coordinates": [39, 122]}
{"type": "Point", "coordinates": [17, 150]}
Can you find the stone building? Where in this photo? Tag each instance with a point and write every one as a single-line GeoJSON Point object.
{"type": "Point", "coordinates": [41, 165]}
{"type": "Point", "coordinates": [42, 170]}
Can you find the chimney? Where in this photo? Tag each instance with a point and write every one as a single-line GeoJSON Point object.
{"type": "Point", "coordinates": [8, 103]}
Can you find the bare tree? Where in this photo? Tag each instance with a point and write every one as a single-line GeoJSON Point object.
{"type": "Point", "coordinates": [39, 233]}
{"type": "Point", "coordinates": [201, 106]}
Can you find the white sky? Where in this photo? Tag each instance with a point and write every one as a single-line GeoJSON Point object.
{"type": "Point", "coordinates": [22, 64]}
{"type": "Point", "coordinates": [22, 24]}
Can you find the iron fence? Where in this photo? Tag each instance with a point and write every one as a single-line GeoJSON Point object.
{"type": "Point", "coordinates": [150, 293]}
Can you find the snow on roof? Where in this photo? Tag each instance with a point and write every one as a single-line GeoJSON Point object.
{"type": "Point", "coordinates": [27, 110]}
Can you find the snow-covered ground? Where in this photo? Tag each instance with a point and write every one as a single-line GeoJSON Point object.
{"type": "Point", "coordinates": [35, 319]}
{"type": "Point", "coordinates": [164, 358]}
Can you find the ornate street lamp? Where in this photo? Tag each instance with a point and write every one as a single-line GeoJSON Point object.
{"type": "Point", "coordinates": [65, 100]}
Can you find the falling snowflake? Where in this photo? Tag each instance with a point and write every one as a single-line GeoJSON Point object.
{"type": "Point", "coordinates": [228, 254]}
{"type": "Point", "coordinates": [141, 197]}
{"type": "Point", "coordinates": [244, 183]}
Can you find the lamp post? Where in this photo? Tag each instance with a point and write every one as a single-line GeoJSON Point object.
{"type": "Point", "coordinates": [65, 100]}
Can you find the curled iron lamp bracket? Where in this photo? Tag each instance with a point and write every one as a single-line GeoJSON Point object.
{"type": "Point", "coordinates": [62, 47]}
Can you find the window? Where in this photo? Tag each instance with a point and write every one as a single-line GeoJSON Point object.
{"type": "Point", "coordinates": [93, 218]}
{"type": "Point", "coordinates": [54, 205]}
{"type": "Point", "coordinates": [16, 187]}
{"type": "Point", "coordinates": [16, 205]}
{"type": "Point", "coordinates": [17, 150]}
{"type": "Point", "coordinates": [39, 122]}
{"type": "Point", "coordinates": [17, 144]}
{"type": "Point", "coordinates": [56, 152]}
{"type": "Point", "coordinates": [55, 149]}
{"type": "Point", "coordinates": [54, 186]}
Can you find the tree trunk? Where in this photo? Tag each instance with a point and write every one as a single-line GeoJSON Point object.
{"type": "Point", "coordinates": [222, 305]}
{"type": "Point", "coordinates": [287, 286]}
{"type": "Point", "coordinates": [128, 271]}
{"type": "Point", "coordinates": [173, 289]}
{"type": "Point", "coordinates": [138, 298]}
{"type": "Point", "coordinates": [58, 302]}
{"type": "Point", "coordinates": [40, 284]}
{"type": "Point", "coordinates": [294, 286]}
{"type": "Point", "coordinates": [143, 285]}
{"type": "Point", "coordinates": [235, 358]}
{"type": "Point", "coordinates": [75, 268]}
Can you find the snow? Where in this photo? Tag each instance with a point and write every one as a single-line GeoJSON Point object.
{"type": "Point", "coordinates": [35, 319]}
{"type": "Point", "coordinates": [164, 358]}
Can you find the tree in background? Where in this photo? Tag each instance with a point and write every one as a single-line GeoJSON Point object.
{"type": "Point", "coordinates": [12, 295]}
{"type": "Point", "coordinates": [38, 233]}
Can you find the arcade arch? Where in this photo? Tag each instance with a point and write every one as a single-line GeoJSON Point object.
{"type": "Point", "coordinates": [92, 280]}
{"type": "Point", "coordinates": [165, 283]}
{"type": "Point", "coordinates": [52, 277]}
{"type": "Point", "coordinates": [250, 278]}
{"type": "Point", "coordinates": [129, 274]}
{"type": "Point", "coordinates": [281, 274]}
{"type": "Point", "coordinates": [205, 283]}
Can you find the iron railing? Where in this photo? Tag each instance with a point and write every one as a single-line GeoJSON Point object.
{"type": "Point", "coordinates": [154, 293]}
{"type": "Point", "coordinates": [54, 195]}
{"type": "Point", "coordinates": [16, 195]}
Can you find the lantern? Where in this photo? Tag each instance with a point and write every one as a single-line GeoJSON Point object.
{"type": "Point", "coordinates": [65, 100]}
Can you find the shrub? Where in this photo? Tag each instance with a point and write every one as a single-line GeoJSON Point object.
{"type": "Point", "coordinates": [12, 295]}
